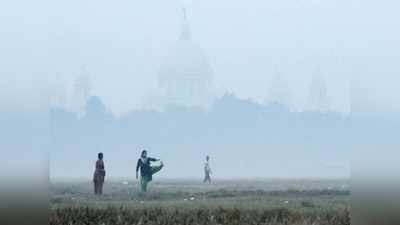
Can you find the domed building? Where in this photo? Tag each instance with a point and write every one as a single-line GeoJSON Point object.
{"type": "Point", "coordinates": [185, 77]}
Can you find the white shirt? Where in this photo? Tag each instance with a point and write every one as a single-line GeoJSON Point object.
{"type": "Point", "coordinates": [207, 167]}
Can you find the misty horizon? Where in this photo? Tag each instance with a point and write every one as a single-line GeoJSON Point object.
{"type": "Point", "coordinates": [310, 64]}
{"type": "Point", "coordinates": [123, 44]}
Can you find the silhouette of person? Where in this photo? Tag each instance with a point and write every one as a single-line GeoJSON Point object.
{"type": "Point", "coordinates": [99, 175]}
{"type": "Point", "coordinates": [207, 170]}
{"type": "Point", "coordinates": [146, 170]}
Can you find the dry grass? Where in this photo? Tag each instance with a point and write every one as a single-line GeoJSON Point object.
{"type": "Point", "coordinates": [293, 203]}
{"type": "Point", "coordinates": [180, 216]}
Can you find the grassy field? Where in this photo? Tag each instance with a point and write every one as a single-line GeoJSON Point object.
{"type": "Point", "coordinates": [273, 201]}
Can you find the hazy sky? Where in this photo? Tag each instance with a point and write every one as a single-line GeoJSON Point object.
{"type": "Point", "coordinates": [122, 42]}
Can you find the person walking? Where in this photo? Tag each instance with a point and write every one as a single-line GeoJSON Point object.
{"type": "Point", "coordinates": [146, 170]}
{"type": "Point", "coordinates": [99, 175]}
{"type": "Point", "coordinates": [207, 170]}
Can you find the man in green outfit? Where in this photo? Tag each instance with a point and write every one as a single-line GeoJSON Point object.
{"type": "Point", "coordinates": [146, 170]}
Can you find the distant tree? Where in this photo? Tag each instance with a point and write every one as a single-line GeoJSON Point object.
{"type": "Point", "coordinates": [230, 108]}
{"type": "Point", "coordinates": [96, 110]}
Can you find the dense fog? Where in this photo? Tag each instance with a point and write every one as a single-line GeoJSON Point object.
{"type": "Point", "coordinates": [266, 88]}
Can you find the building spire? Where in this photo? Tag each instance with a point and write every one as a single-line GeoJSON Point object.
{"type": "Point", "coordinates": [184, 13]}
{"type": "Point", "coordinates": [185, 32]}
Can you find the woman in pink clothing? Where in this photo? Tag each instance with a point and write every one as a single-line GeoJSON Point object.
{"type": "Point", "coordinates": [99, 174]}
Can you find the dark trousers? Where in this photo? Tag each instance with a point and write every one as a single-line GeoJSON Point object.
{"type": "Point", "coordinates": [144, 181]}
{"type": "Point", "coordinates": [207, 178]}
{"type": "Point", "coordinates": [98, 187]}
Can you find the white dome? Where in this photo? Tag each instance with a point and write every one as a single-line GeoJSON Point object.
{"type": "Point", "coordinates": [186, 61]}
{"type": "Point", "coordinates": [185, 77]}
